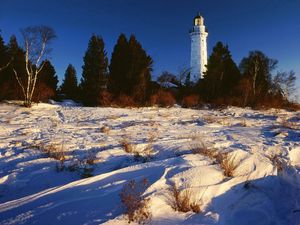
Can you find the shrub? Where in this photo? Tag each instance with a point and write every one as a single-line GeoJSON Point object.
{"type": "Point", "coordinates": [181, 200]}
{"type": "Point", "coordinates": [136, 205]}
{"type": "Point", "coordinates": [190, 101]}
{"type": "Point", "coordinates": [125, 101]}
{"type": "Point", "coordinates": [163, 98]}
{"type": "Point", "coordinates": [104, 98]}
{"type": "Point", "coordinates": [43, 93]}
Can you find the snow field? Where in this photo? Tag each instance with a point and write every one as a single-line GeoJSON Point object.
{"type": "Point", "coordinates": [35, 188]}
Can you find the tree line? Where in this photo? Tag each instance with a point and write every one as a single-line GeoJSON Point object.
{"type": "Point", "coordinates": [26, 73]}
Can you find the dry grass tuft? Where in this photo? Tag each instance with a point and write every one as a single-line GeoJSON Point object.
{"type": "Point", "coordinates": [52, 151]}
{"type": "Point", "coordinates": [90, 158]}
{"type": "Point", "coordinates": [224, 121]}
{"type": "Point", "coordinates": [243, 123]}
{"type": "Point", "coordinates": [181, 200]}
{"type": "Point", "coordinates": [227, 163]}
{"type": "Point", "coordinates": [201, 148]}
{"type": "Point", "coordinates": [105, 129]}
{"type": "Point", "coordinates": [277, 161]}
{"type": "Point", "coordinates": [127, 146]}
{"type": "Point", "coordinates": [289, 125]}
{"type": "Point", "coordinates": [209, 119]}
{"type": "Point", "coordinates": [136, 205]}
{"type": "Point", "coordinates": [142, 155]}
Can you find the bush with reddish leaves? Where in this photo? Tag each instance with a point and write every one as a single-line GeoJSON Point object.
{"type": "Point", "coordinates": [190, 101]}
{"type": "Point", "coordinates": [104, 98]}
{"type": "Point", "coordinates": [125, 101]}
{"type": "Point", "coordinates": [43, 93]}
{"type": "Point", "coordinates": [163, 98]}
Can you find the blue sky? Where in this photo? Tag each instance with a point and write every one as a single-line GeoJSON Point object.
{"type": "Point", "coordinates": [272, 26]}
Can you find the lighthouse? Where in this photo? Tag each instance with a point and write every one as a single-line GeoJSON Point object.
{"type": "Point", "coordinates": [198, 36]}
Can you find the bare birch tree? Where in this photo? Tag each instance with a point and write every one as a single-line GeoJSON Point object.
{"type": "Point", "coordinates": [36, 46]}
{"type": "Point", "coordinates": [286, 83]}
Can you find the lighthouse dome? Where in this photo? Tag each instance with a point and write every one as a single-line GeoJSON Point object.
{"type": "Point", "coordinates": [198, 20]}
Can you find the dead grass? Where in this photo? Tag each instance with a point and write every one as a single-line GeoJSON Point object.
{"type": "Point", "coordinates": [244, 123]}
{"type": "Point", "coordinates": [52, 151]}
{"type": "Point", "coordinates": [182, 200]}
{"type": "Point", "coordinates": [113, 117]}
{"type": "Point", "coordinates": [219, 120]}
{"type": "Point", "coordinates": [105, 129]}
{"type": "Point", "coordinates": [277, 161]}
{"type": "Point", "coordinates": [227, 163]}
{"type": "Point", "coordinates": [136, 205]}
{"type": "Point", "coordinates": [90, 158]}
{"type": "Point", "coordinates": [142, 155]}
{"type": "Point", "coordinates": [127, 146]}
{"type": "Point", "coordinates": [209, 119]}
{"type": "Point", "coordinates": [289, 125]}
{"type": "Point", "coordinates": [201, 148]}
{"type": "Point", "coordinates": [56, 152]}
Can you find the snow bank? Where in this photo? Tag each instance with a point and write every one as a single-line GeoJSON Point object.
{"type": "Point", "coordinates": [34, 191]}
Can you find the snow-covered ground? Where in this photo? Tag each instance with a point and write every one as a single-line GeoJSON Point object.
{"type": "Point", "coordinates": [38, 189]}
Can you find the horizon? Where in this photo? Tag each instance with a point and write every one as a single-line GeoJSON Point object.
{"type": "Point", "coordinates": [151, 22]}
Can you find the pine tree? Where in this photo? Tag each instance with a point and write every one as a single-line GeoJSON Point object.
{"type": "Point", "coordinates": [10, 88]}
{"type": "Point", "coordinates": [130, 69]}
{"type": "Point", "coordinates": [47, 83]}
{"type": "Point", "coordinates": [119, 67]}
{"type": "Point", "coordinates": [94, 74]}
{"type": "Point", "coordinates": [222, 75]}
{"type": "Point", "coordinates": [69, 86]}
{"type": "Point", "coordinates": [3, 62]}
{"type": "Point", "coordinates": [140, 70]}
{"type": "Point", "coordinates": [4, 59]}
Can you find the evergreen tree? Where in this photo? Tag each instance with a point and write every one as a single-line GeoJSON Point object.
{"type": "Point", "coordinates": [3, 62]}
{"type": "Point", "coordinates": [119, 67]}
{"type": "Point", "coordinates": [139, 75]}
{"type": "Point", "coordinates": [69, 86]}
{"type": "Point", "coordinates": [9, 87]}
{"type": "Point", "coordinates": [48, 75]}
{"type": "Point", "coordinates": [222, 75]}
{"type": "Point", "coordinates": [4, 59]}
{"type": "Point", "coordinates": [47, 83]}
{"type": "Point", "coordinates": [94, 74]}
{"type": "Point", "coordinates": [130, 69]}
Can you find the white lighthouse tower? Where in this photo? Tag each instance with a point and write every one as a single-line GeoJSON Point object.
{"type": "Point", "coordinates": [198, 48]}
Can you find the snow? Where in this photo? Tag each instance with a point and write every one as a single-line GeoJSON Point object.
{"type": "Point", "coordinates": [33, 191]}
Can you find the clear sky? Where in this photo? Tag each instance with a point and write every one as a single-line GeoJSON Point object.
{"type": "Point", "coordinates": [272, 26]}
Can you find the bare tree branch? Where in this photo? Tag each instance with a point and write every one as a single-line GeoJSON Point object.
{"type": "Point", "coordinates": [36, 41]}
{"type": "Point", "coordinates": [4, 67]}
